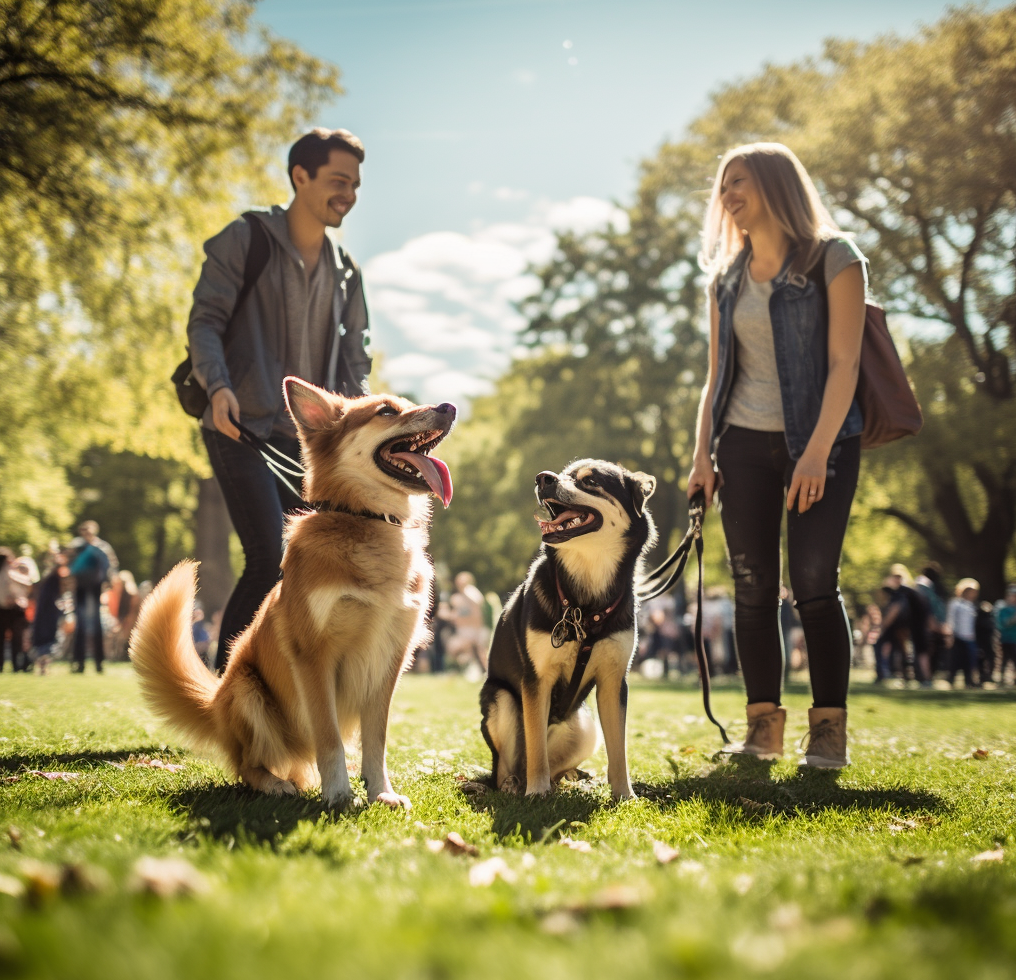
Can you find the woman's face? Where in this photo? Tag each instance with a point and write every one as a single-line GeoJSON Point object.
{"type": "Point", "coordinates": [740, 197]}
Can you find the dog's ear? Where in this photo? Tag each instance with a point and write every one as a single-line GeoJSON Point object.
{"type": "Point", "coordinates": [644, 488]}
{"type": "Point", "coordinates": [310, 407]}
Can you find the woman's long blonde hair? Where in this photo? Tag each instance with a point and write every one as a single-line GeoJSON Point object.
{"type": "Point", "coordinates": [788, 193]}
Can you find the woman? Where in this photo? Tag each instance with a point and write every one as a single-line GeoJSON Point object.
{"type": "Point", "coordinates": [779, 419]}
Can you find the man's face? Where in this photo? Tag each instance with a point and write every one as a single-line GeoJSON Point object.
{"type": "Point", "coordinates": [331, 193]}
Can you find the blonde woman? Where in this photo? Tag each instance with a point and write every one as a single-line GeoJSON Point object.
{"type": "Point", "coordinates": [779, 428]}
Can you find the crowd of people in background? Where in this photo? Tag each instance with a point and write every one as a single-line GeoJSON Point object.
{"type": "Point", "coordinates": [81, 604]}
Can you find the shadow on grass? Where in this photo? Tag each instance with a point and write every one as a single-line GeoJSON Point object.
{"type": "Point", "coordinates": [963, 698]}
{"type": "Point", "coordinates": [239, 812]}
{"type": "Point", "coordinates": [745, 785]}
{"type": "Point", "coordinates": [531, 817]}
{"type": "Point", "coordinates": [45, 760]}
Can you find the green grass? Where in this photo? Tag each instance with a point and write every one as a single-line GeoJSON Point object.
{"type": "Point", "coordinates": [866, 873]}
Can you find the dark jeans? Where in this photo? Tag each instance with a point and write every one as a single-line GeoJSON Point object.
{"type": "Point", "coordinates": [964, 658]}
{"type": "Point", "coordinates": [87, 623]}
{"type": "Point", "coordinates": [757, 470]}
{"type": "Point", "coordinates": [13, 622]}
{"type": "Point", "coordinates": [257, 503]}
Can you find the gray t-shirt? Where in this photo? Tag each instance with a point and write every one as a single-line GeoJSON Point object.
{"type": "Point", "coordinates": [307, 349]}
{"type": "Point", "coordinates": [755, 401]}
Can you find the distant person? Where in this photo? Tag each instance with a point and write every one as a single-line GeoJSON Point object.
{"type": "Point", "coordinates": [928, 585]}
{"type": "Point", "coordinates": [779, 416]}
{"type": "Point", "coordinates": [15, 586]}
{"type": "Point", "coordinates": [91, 568]}
{"type": "Point", "coordinates": [48, 610]}
{"type": "Point", "coordinates": [902, 645]}
{"type": "Point", "coordinates": [305, 317]}
{"type": "Point", "coordinates": [1005, 620]}
{"type": "Point", "coordinates": [471, 638]}
{"type": "Point", "coordinates": [984, 630]}
{"type": "Point", "coordinates": [961, 617]}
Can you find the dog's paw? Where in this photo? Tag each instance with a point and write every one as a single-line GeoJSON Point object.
{"type": "Point", "coordinates": [340, 800]}
{"type": "Point", "coordinates": [541, 788]}
{"type": "Point", "coordinates": [623, 793]}
{"type": "Point", "coordinates": [394, 801]}
{"type": "Point", "coordinates": [510, 784]}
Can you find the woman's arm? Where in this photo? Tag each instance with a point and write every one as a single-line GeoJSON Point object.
{"type": "Point", "coordinates": [702, 476]}
{"type": "Point", "coordinates": [846, 328]}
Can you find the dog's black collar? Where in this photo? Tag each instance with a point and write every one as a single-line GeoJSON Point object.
{"type": "Point", "coordinates": [326, 506]}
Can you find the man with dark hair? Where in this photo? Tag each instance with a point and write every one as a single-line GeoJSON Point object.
{"type": "Point", "coordinates": [301, 312]}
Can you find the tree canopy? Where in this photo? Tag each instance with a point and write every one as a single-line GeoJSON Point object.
{"type": "Point", "coordinates": [129, 132]}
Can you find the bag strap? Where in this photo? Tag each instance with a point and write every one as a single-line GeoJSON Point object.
{"type": "Point", "coordinates": [254, 265]}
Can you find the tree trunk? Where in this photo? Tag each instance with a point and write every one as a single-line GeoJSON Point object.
{"type": "Point", "coordinates": [964, 551]}
{"type": "Point", "coordinates": [211, 546]}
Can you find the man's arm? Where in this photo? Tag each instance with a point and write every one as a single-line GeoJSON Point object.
{"type": "Point", "coordinates": [355, 361]}
{"type": "Point", "coordinates": [215, 298]}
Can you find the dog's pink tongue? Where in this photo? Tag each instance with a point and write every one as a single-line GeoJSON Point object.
{"type": "Point", "coordinates": [434, 471]}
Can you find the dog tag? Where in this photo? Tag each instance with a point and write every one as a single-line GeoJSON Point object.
{"type": "Point", "coordinates": [570, 623]}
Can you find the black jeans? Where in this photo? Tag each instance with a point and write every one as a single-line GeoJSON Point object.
{"type": "Point", "coordinates": [257, 503]}
{"type": "Point", "coordinates": [88, 623]}
{"type": "Point", "coordinates": [757, 470]}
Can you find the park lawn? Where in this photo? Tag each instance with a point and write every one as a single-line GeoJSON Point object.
{"type": "Point", "coordinates": [873, 872]}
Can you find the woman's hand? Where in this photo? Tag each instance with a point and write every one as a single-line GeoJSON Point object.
{"type": "Point", "coordinates": [702, 477]}
{"type": "Point", "coordinates": [808, 484]}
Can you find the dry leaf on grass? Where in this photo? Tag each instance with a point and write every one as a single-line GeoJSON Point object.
{"type": "Point", "coordinates": [980, 754]}
{"type": "Point", "coordinates": [15, 836]}
{"type": "Point", "coordinates": [664, 853]}
{"type": "Point", "coordinates": [988, 857]}
{"type": "Point", "coordinates": [65, 776]}
{"type": "Point", "coordinates": [168, 877]}
{"type": "Point", "coordinates": [11, 886]}
{"type": "Point", "coordinates": [582, 846]}
{"type": "Point", "coordinates": [615, 898]}
{"type": "Point", "coordinates": [42, 880]}
{"type": "Point", "coordinates": [485, 873]}
{"type": "Point", "coordinates": [453, 844]}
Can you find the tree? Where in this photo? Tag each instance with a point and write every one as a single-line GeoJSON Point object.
{"type": "Point", "coordinates": [913, 142]}
{"type": "Point", "coordinates": [129, 132]}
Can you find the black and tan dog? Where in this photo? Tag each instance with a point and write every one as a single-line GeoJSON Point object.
{"type": "Point", "coordinates": [570, 627]}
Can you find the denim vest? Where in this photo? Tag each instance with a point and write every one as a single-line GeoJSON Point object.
{"type": "Point", "coordinates": [799, 311]}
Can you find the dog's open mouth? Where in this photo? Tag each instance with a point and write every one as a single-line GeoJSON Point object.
{"type": "Point", "coordinates": [408, 459]}
{"type": "Point", "coordinates": [559, 522]}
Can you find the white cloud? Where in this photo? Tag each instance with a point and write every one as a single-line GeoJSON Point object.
{"type": "Point", "coordinates": [442, 303]}
{"type": "Point", "coordinates": [510, 194]}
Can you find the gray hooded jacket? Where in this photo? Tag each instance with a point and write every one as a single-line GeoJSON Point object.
{"type": "Point", "coordinates": [254, 364]}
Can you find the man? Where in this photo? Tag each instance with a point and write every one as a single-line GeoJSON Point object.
{"type": "Point", "coordinates": [91, 567]}
{"type": "Point", "coordinates": [904, 619]}
{"type": "Point", "coordinates": [304, 316]}
{"type": "Point", "coordinates": [1005, 620]}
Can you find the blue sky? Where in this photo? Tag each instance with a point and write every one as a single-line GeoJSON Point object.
{"type": "Point", "coordinates": [488, 123]}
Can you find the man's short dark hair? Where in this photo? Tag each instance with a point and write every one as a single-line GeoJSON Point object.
{"type": "Point", "coordinates": [311, 150]}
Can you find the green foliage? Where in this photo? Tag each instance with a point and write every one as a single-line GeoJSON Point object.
{"type": "Point", "coordinates": [129, 133]}
{"type": "Point", "coordinates": [878, 127]}
{"type": "Point", "coordinates": [863, 874]}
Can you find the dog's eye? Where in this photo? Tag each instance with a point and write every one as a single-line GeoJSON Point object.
{"type": "Point", "coordinates": [590, 481]}
{"type": "Point", "coordinates": [387, 410]}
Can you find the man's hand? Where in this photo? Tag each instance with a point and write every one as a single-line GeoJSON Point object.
{"type": "Point", "coordinates": [224, 402]}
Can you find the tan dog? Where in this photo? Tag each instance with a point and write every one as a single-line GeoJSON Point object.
{"type": "Point", "coordinates": [329, 642]}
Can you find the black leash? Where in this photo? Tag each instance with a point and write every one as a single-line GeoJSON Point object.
{"type": "Point", "coordinates": [664, 577]}
{"type": "Point", "coordinates": [283, 466]}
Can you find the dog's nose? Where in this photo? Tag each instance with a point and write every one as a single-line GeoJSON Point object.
{"type": "Point", "coordinates": [545, 479]}
{"type": "Point", "coordinates": [446, 408]}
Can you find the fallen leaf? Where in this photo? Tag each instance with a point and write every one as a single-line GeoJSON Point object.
{"type": "Point", "coordinates": [15, 835]}
{"type": "Point", "coordinates": [897, 826]}
{"type": "Point", "coordinates": [582, 846]}
{"type": "Point", "coordinates": [11, 886]}
{"type": "Point", "coordinates": [66, 776]}
{"type": "Point", "coordinates": [980, 754]}
{"type": "Point", "coordinates": [42, 881]}
{"type": "Point", "coordinates": [485, 873]}
{"type": "Point", "coordinates": [986, 857]}
{"type": "Point", "coordinates": [168, 877]}
{"type": "Point", "coordinates": [453, 844]}
{"type": "Point", "coordinates": [616, 897]}
{"type": "Point", "coordinates": [664, 853]}
{"type": "Point", "coordinates": [560, 922]}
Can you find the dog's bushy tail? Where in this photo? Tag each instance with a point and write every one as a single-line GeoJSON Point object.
{"type": "Point", "coordinates": [176, 684]}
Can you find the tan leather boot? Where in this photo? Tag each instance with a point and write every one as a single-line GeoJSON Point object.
{"type": "Point", "coordinates": [764, 738]}
{"type": "Point", "coordinates": [826, 741]}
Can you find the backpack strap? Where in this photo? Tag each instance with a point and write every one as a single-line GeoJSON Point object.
{"type": "Point", "coordinates": [257, 259]}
